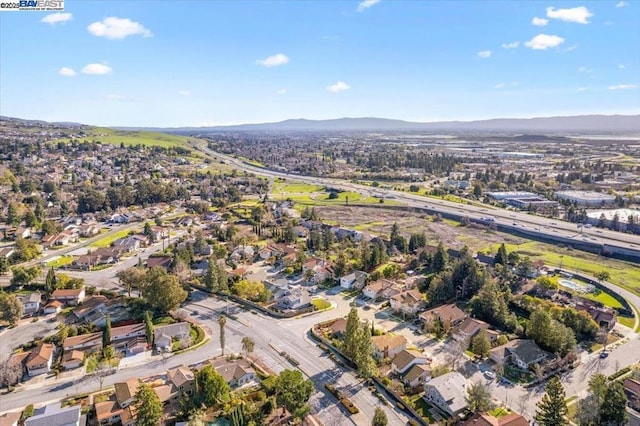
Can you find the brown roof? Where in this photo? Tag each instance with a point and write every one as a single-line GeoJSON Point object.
{"type": "Point", "coordinates": [8, 419]}
{"type": "Point", "coordinates": [231, 370]}
{"type": "Point", "coordinates": [18, 358]}
{"type": "Point", "coordinates": [66, 293]}
{"type": "Point", "coordinates": [416, 371]}
{"type": "Point", "coordinates": [158, 261]}
{"type": "Point", "coordinates": [54, 304]}
{"type": "Point", "coordinates": [126, 329]}
{"type": "Point", "coordinates": [405, 357]}
{"type": "Point", "coordinates": [632, 386]}
{"type": "Point", "coordinates": [388, 341]}
{"type": "Point", "coordinates": [471, 326]}
{"type": "Point", "coordinates": [126, 390]}
{"type": "Point", "coordinates": [89, 304]}
{"type": "Point", "coordinates": [163, 392]}
{"type": "Point", "coordinates": [339, 326]}
{"type": "Point", "coordinates": [106, 409]}
{"type": "Point", "coordinates": [180, 375]}
{"type": "Point", "coordinates": [73, 355]}
{"type": "Point", "coordinates": [450, 313]}
{"type": "Point", "coordinates": [41, 354]}
{"type": "Point", "coordinates": [485, 419]}
{"type": "Point", "coordinates": [83, 339]}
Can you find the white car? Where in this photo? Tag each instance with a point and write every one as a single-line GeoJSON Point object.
{"type": "Point", "coordinates": [489, 375]}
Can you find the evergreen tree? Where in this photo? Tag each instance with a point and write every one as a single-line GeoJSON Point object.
{"type": "Point", "coordinates": [379, 417]}
{"type": "Point", "coordinates": [501, 257]}
{"type": "Point", "coordinates": [148, 325]}
{"type": "Point", "coordinates": [478, 397]}
{"type": "Point", "coordinates": [148, 406]}
{"type": "Point", "coordinates": [613, 408]}
{"type": "Point", "coordinates": [213, 389]}
{"type": "Point", "coordinates": [106, 333]}
{"type": "Point", "coordinates": [552, 408]}
{"type": "Point", "coordinates": [480, 344]}
{"type": "Point", "coordinates": [363, 352]}
{"type": "Point", "coordinates": [50, 282]}
{"type": "Point", "coordinates": [351, 332]}
{"type": "Point", "coordinates": [440, 259]}
{"type": "Point", "coordinates": [211, 276]}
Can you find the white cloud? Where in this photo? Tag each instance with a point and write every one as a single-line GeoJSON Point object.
{"type": "Point", "coordinates": [339, 86]}
{"type": "Point", "coordinates": [114, 97]}
{"type": "Point", "coordinates": [281, 92]}
{"type": "Point", "coordinates": [621, 4]}
{"type": "Point", "coordinates": [118, 28]}
{"type": "Point", "coordinates": [583, 89]}
{"type": "Point", "coordinates": [579, 14]}
{"type": "Point", "coordinates": [585, 70]}
{"type": "Point", "coordinates": [623, 87]}
{"type": "Point", "coordinates": [484, 54]}
{"type": "Point", "coordinates": [571, 48]}
{"type": "Point", "coordinates": [57, 18]}
{"type": "Point", "coordinates": [621, 66]}
{"type": "Point", "coordinates": [539, 22]}
{"type": "Point", "coordinates": [513, 45]}
{"type": "Point", "coordinates": [184, 93]}
{"type": "Point", "coordinates": [366, 4]}
{"type": "Point", "coordinates": [67, 72]}
{"type": "Point", "coordinates": [274, 60]}
{"type": "Point", "coordinates": [499, 86]}
{"type": "Point", "coordinates": [544, 41]}
{"type": "Point", "coordinates": [96, 69]}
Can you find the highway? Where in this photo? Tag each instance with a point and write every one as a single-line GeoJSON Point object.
{"type": "Point", "coordinates": [507, 220]}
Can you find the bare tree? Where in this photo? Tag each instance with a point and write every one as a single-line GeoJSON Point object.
{"type": "Point", "coordinates": [454, 353]}
{"type": "Point", "coordinates": [10, 373]}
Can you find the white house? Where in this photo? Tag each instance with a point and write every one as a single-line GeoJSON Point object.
{"type": "Point", "coordinates": [55, 415]}
{"type": "Point", "coordinates": [408, 302]}
{"type": "Point", "coordinates": [406, 359]}
{"type": "Point", "coordinates": [388, 346]}
{"type": "Point", "coordinates": [30, 303]}
{"type": "Point", "coordinates": [164, 335]}
{"type": "Point", "coordinates": [355, 279]}
{"type": "Point", "coordinates": [40, 359]}
{"type": "Point", "coordinates": [447, 392]}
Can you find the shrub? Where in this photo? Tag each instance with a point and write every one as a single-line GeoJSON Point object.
{"type": "Point", "coordinates": [349, 406]}
{"type": "Point", "coordinates": [28, 411]}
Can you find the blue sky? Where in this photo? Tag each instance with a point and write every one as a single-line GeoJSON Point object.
{"type": "Point", "coordinates": [184, 63]}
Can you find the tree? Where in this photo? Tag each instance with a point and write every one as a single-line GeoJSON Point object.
{"type": "Point", "coordinates": [293, 391]}
{"type": "Point", "coordinates": [211, 275]}
{"type": "Point", "coordinates": [603, 276]}
{"type": "Point", "coordinates": [50, 281]}
{"type": "Point", "coordinates": [148, 326]}
{"type": "Point", "coordinates": [440, 259]}
{"type": "Point", "coordinates": [254, 291]}
{"type": "Point", "coordinates": [213, 389]}
{"type": "Point", "coordinates": [166, 293]}
{"type": "Point", "coordinates": [478, 397]}
{"type": "Point", "coordinates": [10, 373]}
{"type": "Point", "coordinates": [552, 408]}
{"type": "Point", "coordinates": [613, 407]}
{"type": "Point", "coordinates": [480, 345]}
{"type": "Point", "coordinates": [350, 334]}
{"type": "Point", "coordinates": [131, 278]}
{"type": "Point", "coordinates": [108, 353]}
{"type": "Point", "coordinates": [248, 344]}
{"type": "Point", "coordinates": [501, 257]}
{"type": "Point", "coordinates": [363, 351]}
{"type": "Point", "coordinates": [4, 265]}
{"type": "Point", "coordinates": [588, 413]}
{"type": "Point", "coordinates": [23, 276]}
{"type": "Point", "coordinates": [222, 321]}
{"type": "Point", "coordinates": [10, 308]}
{"type": "Point", "coordinates": [148, 406]}
{"type": "Point", "coordinates": [106, 333]}
{"type": "Point", "coordinates": [379, 417]}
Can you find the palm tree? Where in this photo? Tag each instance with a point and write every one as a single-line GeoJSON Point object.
{"type": "Point", "coordinates": [222, 321]}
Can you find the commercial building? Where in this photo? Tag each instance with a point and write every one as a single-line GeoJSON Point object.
{"type": "Point", "coordinates": [586, 198]}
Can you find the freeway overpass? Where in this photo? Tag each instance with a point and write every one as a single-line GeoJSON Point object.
{"type": "Point", "coordinates": [602, 241]}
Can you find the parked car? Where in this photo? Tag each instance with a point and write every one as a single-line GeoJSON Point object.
{"type": "Point", "coordinates": [489, 375]}
{"type": "Point", "coordinates": [604, 354]}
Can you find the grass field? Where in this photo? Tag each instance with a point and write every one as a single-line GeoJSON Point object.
{"type": "Point", "coordinates": [624, 274]}
{"type": "Point", "coordinates": [321, 304]}
{"type": "Point", "coordinates": [60, 261]}
{"type": "Point", "coordinates": [106, 241]}
{"type": "Point", "coordinates": [116, 137]}
{"type": "Point", "coordinates": [604, 298]}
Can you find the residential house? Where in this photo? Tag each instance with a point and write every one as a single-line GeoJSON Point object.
{"type": "Point", "coordinates": [72, 359]}
{"type": "Point", "coordinates": [90, 305]}
{"type": "Point", "coordinates": [242, 253]}
{"type": "Point", "coordinates": [129, 339]}
{"type": "Point", "coordinates": [6, 252]}
{"type": "Point", "coordinates": [55, 415]}
{"type": "Point", "coordinates": [388, 346]}
{"type": "Point", "coordinates": [375, 290]}
{"type": "Point", "coordinates": [110, 413]}
{"type": "Point", "coordinates": [163, 392]}
{"type": "Point", "coordinates": [52, 307]}
{"type": "Point", "coordinates": [40, 359]}
{"type": "Point", "coordinates": [125, 392]}
{"type": "Point", "coordinates": [317, 270]}
{"type": "Point", "coordinates": [417, 375]}
{"type": "Point", "coordinates": [338, 327]}
{"type": "Point", "coordinates": [158, 233]}
{"type": "Point", "coordinates": [632, 390]}
{"type": "Point", "coordinates": [406, 359]}
{"type": "Point", "coordinates": [91, 342]}
{"type": "Point", "coordinates": [278, 417]}
{"type": "Point", "coordinates": [408, 302]}
{"type": "Point", "coordinates": [127, 244]}
{"type": "Point", "coordinates": [294, 299]}
{"type": "Point", "coordinates": [182, 381]}
{"type": "Point", "coordinates": [88, 230]}
{"type": "Point", "coordinates": [235, 372]}
{"type": "Point", "coordinates": [10, 419]}
{"type": "Point", "coordinates": [30, 303]}
{"type": "Point", "coordinates": [68, 296]}
{"type": "Point", "coordinates": [162, 262]}
{"type": "Point", "coordinates": [22, 232]}
{"type": "Point", "coordinates": [356, 279]}
{"type": "Point", "coordinates": [486, 419]}
{"type": "Point", "coordinates": [521, 352]}
{"type": "Point", "coordinates": [164, 335]}
{"type": "Point", "coordinates": [604, 317]}
{"type": "Point", "coordinates": [449, 315]}
{"type": "Point", "coordinates": [447, 392]}
{"type": "Point", "coordinates": [468, 329]}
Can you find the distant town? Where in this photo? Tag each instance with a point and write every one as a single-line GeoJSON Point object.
{"type": "Point", "coordinates": [248, 277]}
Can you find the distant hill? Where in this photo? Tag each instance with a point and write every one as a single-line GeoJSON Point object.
{"type": "Point", "coordinates": [562, 125]}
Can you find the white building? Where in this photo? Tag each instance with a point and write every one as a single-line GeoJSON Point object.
{"type": "Point", "coordinates": [586, 198]}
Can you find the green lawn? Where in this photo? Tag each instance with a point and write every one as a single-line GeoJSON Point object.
{"type": "Point", "coordinates": [106, 241]}
{"type": "Point", "coordinates": [624, 274]}
{"type": "Point", "coordinates": [422, 407]}
{"type": "Point", "coordinates": [321, 304]}
{"type": "Point", "coordinates": [116, 137]}
{"type": "Point", "coordinates": [604, 298]}
{"type": "Point", "coordinates": [499, 412]}
{"type": "Point", "coordinates": [627, 321]}
{"type": "Point", "coordinates": [60, 261]}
